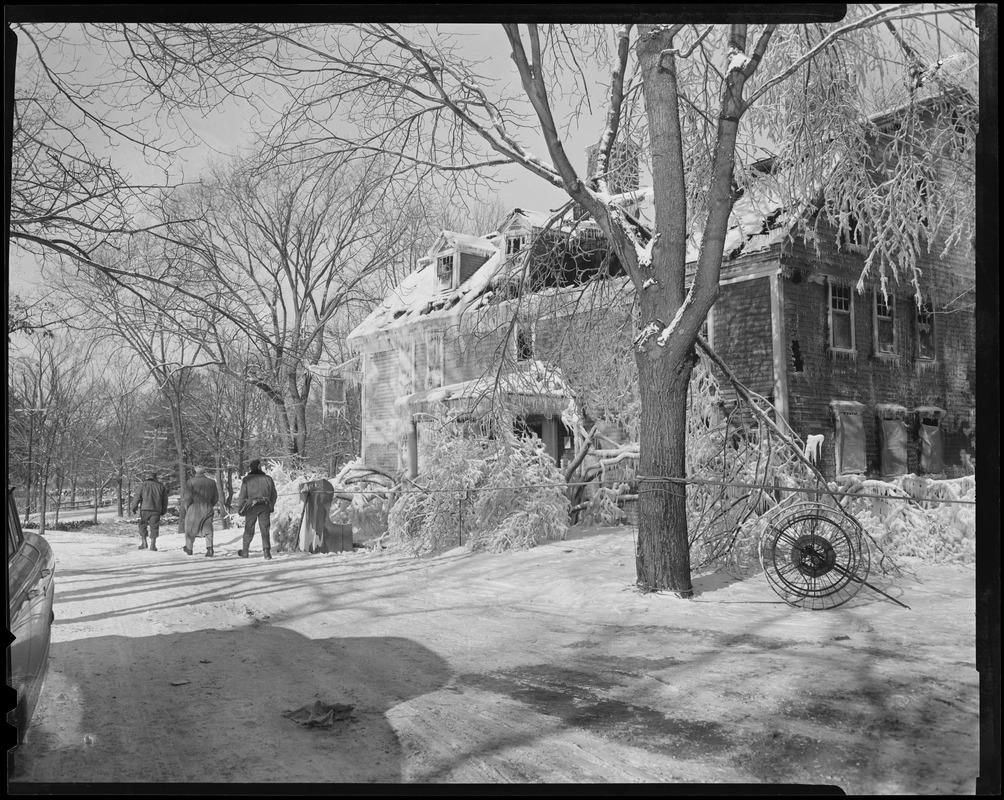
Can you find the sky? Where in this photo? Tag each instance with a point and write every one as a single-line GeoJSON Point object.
{"type": "Point", "coordinates": [232, 123]}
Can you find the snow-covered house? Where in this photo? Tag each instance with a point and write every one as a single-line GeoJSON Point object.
{"type": "Point", "coordinates": [880, 383]}
{"type": "Point", "coordinates": [444, 338]}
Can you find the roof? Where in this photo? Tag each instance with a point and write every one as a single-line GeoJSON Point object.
{"type": "Point", "coordinates": [418, 297]}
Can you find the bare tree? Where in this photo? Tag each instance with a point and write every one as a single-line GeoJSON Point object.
{"type": "Point", "coordinates": [282, 248]}
{"type": "Point", "coordinates": [51, 382]}
{"type": "Point", "coordinates": [159, 325]}
{"type": "Point", "coordinates": [695, 98]}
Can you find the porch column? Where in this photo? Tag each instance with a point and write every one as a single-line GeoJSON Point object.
{"type": "Point", "coordinates": [413, 450]}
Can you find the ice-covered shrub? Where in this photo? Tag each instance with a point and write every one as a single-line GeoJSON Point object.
{"type": "Point", "coordinates": [521, 500]}
{"type": "Point", "coordinates": [903, 524]}
{"type": "Point", "coordinates": [485, 494]}
{"type": "Point", "coordinates": [603, 509]}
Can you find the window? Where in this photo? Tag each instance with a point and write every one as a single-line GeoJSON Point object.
{"type": "Point", "coordinates": [513, 244]}
{"type": "Point", "coordinates": [435, 367]}
{"type": "Point", "coordinates": [926, 350]}
{"type": "Point", "coordinates": [334, 390]}
{"type": "Point", "coordinates": [444, 271]}
{"type": "Point", "coordinates": [524, 343]}
{"type": "Point", "coordinates": [841, 318]}
{"type": "Point", "coordinates": [885, 323]}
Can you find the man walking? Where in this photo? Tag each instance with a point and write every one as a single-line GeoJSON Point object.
{"type": "Point", "coordinates": [151, 502]}
{"type": "Point", "coordinates": [255, 503]}
{"type": "Point", "coordinates": [197, 506]}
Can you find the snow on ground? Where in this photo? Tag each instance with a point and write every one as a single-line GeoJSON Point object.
{"type": "Point", "coordinates": [544, 665]}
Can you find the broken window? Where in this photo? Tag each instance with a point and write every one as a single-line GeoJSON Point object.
{"type": "Point", "coordinates": [841, 317]}
{"type": "Point", "coordinates": [524, 342]}
{"type": "Point", "coordinates": [925, 331]}
{"type": "Point", "coordinates": [797, 363]}
{"type": "Point", "coordinates": [513, 244]}
{"type": "Point", "coordinates": [885, 323]}
{"type": "Point", "coordinates": [444, 271]}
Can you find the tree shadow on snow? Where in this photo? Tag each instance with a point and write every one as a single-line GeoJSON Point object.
{"type": "Point", "coordinates": [207, 707]}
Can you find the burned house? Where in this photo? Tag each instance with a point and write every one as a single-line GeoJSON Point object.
{"type": "Point", "coordinates": [462, 333]}
{"type": "Point", "coordinates": [879, 379]}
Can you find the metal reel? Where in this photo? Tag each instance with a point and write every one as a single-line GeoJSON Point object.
{"type": "Point", "coordinates": [814, 557]}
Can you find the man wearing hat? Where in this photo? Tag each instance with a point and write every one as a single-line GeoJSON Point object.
{"type": "Point", "coordinates": [255, 503]}
{"type": "Point", "coordinates": [151, 502]}
{"type": "Point", "coordinates": [197, 507]}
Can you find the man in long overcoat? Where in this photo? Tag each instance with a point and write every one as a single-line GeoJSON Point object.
{"type": "Point", "coordinates": [151, 502]}
{"type": "Point", "coordinates": [197, 506]}
{"type": "Point", "coordinates": [255, 503]}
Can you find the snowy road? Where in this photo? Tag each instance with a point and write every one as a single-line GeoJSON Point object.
{"type": "Point", "coordinates": [538, 666]}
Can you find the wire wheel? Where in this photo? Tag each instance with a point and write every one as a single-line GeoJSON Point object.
{"type": "Point", "coordinates": [814, 557]}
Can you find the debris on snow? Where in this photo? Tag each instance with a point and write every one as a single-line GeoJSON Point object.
{"type": "Point", "coordinates": [319, 715]}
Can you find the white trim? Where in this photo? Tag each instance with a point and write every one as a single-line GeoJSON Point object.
{"type": "Point", "coordinates": [890, 301]}
{"type": "Point", "coordinates": [760, 272]}
{"type": "Point", "coordinates": [779, 346]}
{"type": "Point", "coordinates": [830, 285]}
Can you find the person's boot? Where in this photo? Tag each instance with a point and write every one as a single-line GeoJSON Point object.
{"type": "Point", "coordinates": [187, 549]}
{"type": "Point", "coordinates": [268, 554]}
{"type": "Point", "coordinates": [209, 552]}
{"type": "Point", "coordinates": [242, 553]}
{"type": "Point", "coordinates": [142, 544]}
{"type": "Point", "coordinates": [153, 542]}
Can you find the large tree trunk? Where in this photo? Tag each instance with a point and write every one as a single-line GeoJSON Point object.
{"type": "Point", "coordinates": [662, 557]}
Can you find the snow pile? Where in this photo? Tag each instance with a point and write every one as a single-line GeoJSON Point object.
{"type": "Point", "coordinates": [371, 492]}
{"type": "Point", "coordinates": [904, 525]}
{"type": "Point", "coordinates": [484, 494]}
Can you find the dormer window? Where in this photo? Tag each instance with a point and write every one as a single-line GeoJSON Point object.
{"type": "Point", "coordinates": [444, 271]}
{"type": "Point", "coordinates": [513, 244]}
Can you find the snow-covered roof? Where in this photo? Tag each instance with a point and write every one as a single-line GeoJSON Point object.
{"type": "Point", "coordinates": [419, 297]}
{"type": "Point", "coordinates": [758, 220]}
{"type": "Point", "coordinates": [539, 388]}
{"type": "Point", "coordinates": [472, 244]}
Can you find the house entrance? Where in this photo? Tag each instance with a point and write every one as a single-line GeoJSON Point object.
{"type": "Point", "coordinates": [549, 429]}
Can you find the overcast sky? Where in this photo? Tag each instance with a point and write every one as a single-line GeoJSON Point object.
{"type": "Point", "coordinates": [233, 122]}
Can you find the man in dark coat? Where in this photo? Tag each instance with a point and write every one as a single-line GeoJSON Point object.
{"type": "Point", "coordinates": [255, 503]}
{"type": "Point", "coordinates": [151, 502]}
{"type": "Point", "coordinates": [197, 506]}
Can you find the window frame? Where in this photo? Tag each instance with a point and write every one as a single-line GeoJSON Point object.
{"type": "Point", "coordinates": [435, 358]}
{"type": "Point", "coordinates": [926, 307]}
{"type": "Point", "coordinates": [890, 319]}
{"type": "Point", "coordinates": [441, 259]}
{"type": "Point", "coordinates": [520, 239]}
{"type": "Point", "coordinates": [849, 312]}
